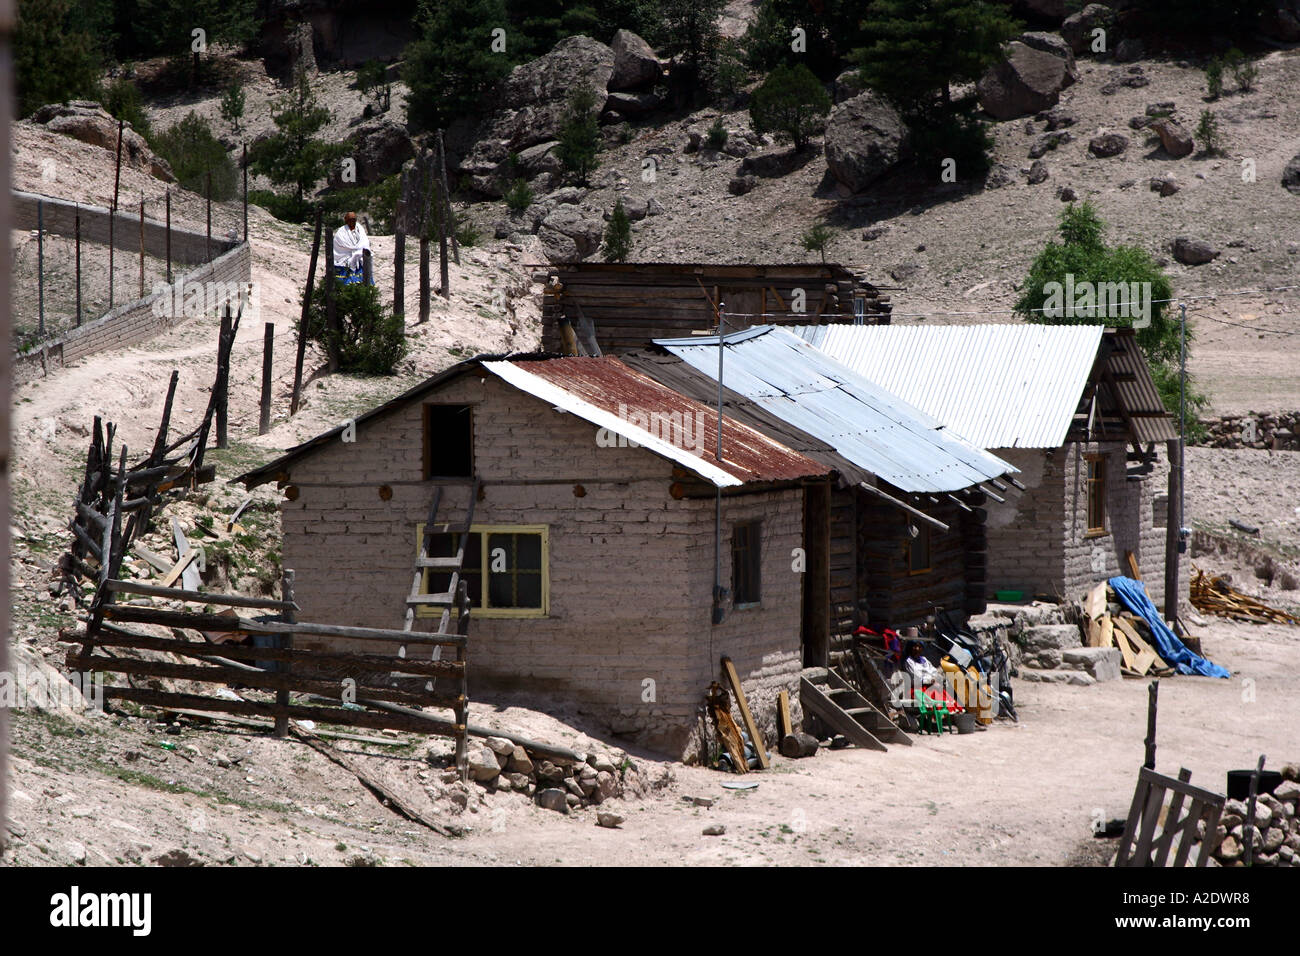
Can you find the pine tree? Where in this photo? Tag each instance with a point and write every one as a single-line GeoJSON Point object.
{"type": "Point", "coordinates": [580, 136]}
{"type": "Point", "coordinates": [293, 156]}
{"type": "Point", "coordinates": [618, 236]}
{"type": "Point", "coordinates": [923, 47]}
{"type": "Point", "coordinates": [232, 105]}
{"type": "Point", "coordinates": [55, 57]}
{"type": "Point", "coordinates": [452, 65]}
{"type": "Point", "coordinates": [790, 104]}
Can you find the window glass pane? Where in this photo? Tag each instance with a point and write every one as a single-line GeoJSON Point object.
{"type": "Point", "coordinates": [529, 551]}
{"type": "Point", "coordinates": [529, 590]}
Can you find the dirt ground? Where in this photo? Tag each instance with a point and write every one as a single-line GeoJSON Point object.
{"type": "Point", "coordinates": [102, 791]}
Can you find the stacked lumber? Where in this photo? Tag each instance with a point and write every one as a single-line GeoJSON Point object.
{"type": "Point", "coordinates": [1215, 596]}
{"type": "Point", "coordinates": [1124, 631]}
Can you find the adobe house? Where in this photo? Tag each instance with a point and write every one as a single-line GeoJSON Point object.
{"type": "Point", "coordinates": [593, 556]}
{"type": "Point", "coordinates": [1074, 408]}
{"type": "Point", "coordinates": [902, 525]}
{"type": "Point", "coordinates": [629, 304]}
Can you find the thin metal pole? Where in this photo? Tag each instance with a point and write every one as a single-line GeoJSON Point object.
{"type": "Point", "coordinates": [76, 231]}
{"type": "Point", "coordinates": [40, 267]}
{"type": "Point", "coordinates": [1182, 426]}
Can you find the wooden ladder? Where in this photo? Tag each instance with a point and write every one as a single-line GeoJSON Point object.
{"type": "Point", "coordinates": [455, 563]}
{"type": "Point", "coordinates": [454, 597]}
{"type": "Point", "coordinates": [840, 706]}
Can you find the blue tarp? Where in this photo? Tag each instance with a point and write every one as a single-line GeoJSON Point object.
{"type": "Point", "coordinates": [1133, 595]}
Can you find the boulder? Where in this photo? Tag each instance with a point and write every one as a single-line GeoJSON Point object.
{"type": "Point", "coordinates": [1078, 27]}
{"type": "Point", "coordinates": [848, 85]}
{"type": "Point", "coordinates": [1107, 145]}
{"type": "Point", "coordinates": [553, 799]}
{"type": "Point", "coordinates": [1229, 850]}
{"type": "Point", "coordinates": [1037, 172]}
{"type": "Point", "coordinates": [1101, 663]}
{"type": "Point", "coordinates": [997, 177]}
{"type": "Point", "coordinates": [1177, 142]}
{"type": "Point", "coordinates": [1046, 142]}
{"type": "Point", "coordinates": [380, 147]}
{"type": "Point", "coordinates": [1291, 175]}
{"type": "Point", "coordinates": [1067, 194]}
{"type": "Point", "coordinates": [1026, 81]}
{"type": "Point", "coordinates": [1053, 44]}
{"type": "Point", "coordinates": [609, 820]}
{"type": "Point", "coordinates": [865, 138]}
{"type": "Point", "coordinates": [1281, 21]}
{"type": "Point", "coordinates": [533, 101]}
{"type": "Point", "coordinates": [1193, 252]}
{"type": "Point", "coordinates": [483, 764]}
{"type": "Point", "coordinates": [635, 63]}
{"type": "Point", "coordinates": [1057, 118]}
{"type": "Point", "coordinates": [570, 233]}
{"type": "Point", "coordinates": [1287, 790]}
{"type": "Point", "coordinates": [1165, 185]}
{"type": "Point", "coordinates": [740, 185]}
{"type": "Point", "coordinates": [539, 159]}
{"type": "Point", "coordinates": [91, 123]}
{"type": "Point", "coordinates": [1128, 50]}
{"type": "Point", "coordinates": [633, 104]}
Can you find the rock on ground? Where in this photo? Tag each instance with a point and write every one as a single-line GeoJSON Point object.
{"type": "Point", "coordinates": [1194, 252]}
{"type": "Point", "coordinates": [864, 139]}
{"type": "Point", "coordinates": [635, 63]}
{"type": "Point", "coordinates": [1027, 81]}
{"type": "Point", "coordinates": [1177, 142]}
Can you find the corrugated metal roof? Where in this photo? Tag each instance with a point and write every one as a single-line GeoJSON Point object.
{"type": "Point", "coordinates": [866, 426]}
{"type": "Point", "coordinates": [607, 393]}
{"type": "Point", "coordinates": [1136, 390]}
{"type": "Point", "coordinates": [998, 386]}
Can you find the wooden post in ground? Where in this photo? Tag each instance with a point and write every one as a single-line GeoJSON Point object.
{"type": "Point", "coordinates": [1248, 830]}
{"type": "Point", "coordinates": [367, 268]}
{"type": "Point", "coordinates": [209, 203]}
{"type": "Point", "coordinates": [1173, 537]}
{"type": "Point", "coordinates": [40, 267]}
{"type": "Point", "coordinates": [112, 214]}
{"type": "Point", "coordinates": [76, 231]}
{"type": "Point", "coordinates": [223, 377]}
{"type": "Point", "coordinates": [1153, 694]}
{"type": "Point", "coordinates": [426, 185]}
{"type": "Point", "coordinates": [244, 161]}
{"type": "Point", "coordinates": [285, 643]}
{"type": "Point", "coordinates": [169, 237]}
{"type": "Point", "coordinates": [268, 346]}
{"type": "Point", "coordinates": [399, 249]}
{"type": "Point", "coordinates": [302, 322]}
{"type": "Point", "coordinates": [445, 224]}
{"type": "Point", "coordinates": [141, 245]}
{"type": "Point", "coordinates": [331, 315]}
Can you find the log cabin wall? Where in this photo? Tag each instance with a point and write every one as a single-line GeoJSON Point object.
{"type": "Point", "coordinates": [955, 580]}
{"type": "Point", "coordinates": [632, 304]}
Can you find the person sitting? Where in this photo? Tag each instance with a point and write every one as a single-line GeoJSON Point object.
{"type": "Point", "coordinates": [922, 672]}
{"type": "Point", "coordinates": [350, 247]}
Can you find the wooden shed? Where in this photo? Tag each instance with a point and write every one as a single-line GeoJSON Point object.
{"type": "Point", "coordinates": [604, 529]}
{"type": "Point", "coordinates": [628, 304]}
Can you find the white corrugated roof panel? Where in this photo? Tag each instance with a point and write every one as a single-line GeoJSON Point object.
{"type": "Point", "coordinates": [998, 386]}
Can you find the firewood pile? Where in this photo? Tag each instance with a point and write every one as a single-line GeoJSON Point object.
{"type": "Point", "coordinates": [1213, 595]}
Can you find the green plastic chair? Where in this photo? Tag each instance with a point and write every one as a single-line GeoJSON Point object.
{"type": "Point", "coordinates": [929, 713]}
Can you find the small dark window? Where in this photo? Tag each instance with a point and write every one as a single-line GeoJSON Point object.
{"type": "Point", "coordinates": [448, 441]}
{"type": "Point", "coordinates": [918, 550]}
{"type": "Point", "coordinates": [1096, 494]}
{"type": "Point", "coordinates": [746, 563]}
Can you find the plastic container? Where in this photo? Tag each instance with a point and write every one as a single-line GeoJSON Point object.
{"type": "Point", "coordinates": [1239, 783]}
{"type": "Point", "coordinates": [1009, 596]}
{"type": "Point", "coordinates": [965, 722]}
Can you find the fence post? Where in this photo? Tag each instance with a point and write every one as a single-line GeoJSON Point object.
{"type": "Point", "coordinates": [209, 247]}
{"type": "Point", "coordinates": [286, 643]}
{"type": "Point", "coordinates": [169, 237]}
{"type": "Point", "coordinates": [268, 345]}
{"type": "Point", "coordinates": [142, 244]}
{"type": "Point", "coordinates": [367, 268]}
{"type": "Point", "coordinates": [331, 316]}
{"type": "Point", "coordinates": [245, 164]}
{"type": "Point", "coordinates": [40, 267]}
{"type": "Point", "coordinates": [76, 231]}
{"type": "Point", "coordinates": [399, 250]}
{"type": "Point", "coordinates": [302, 323]}
{"type": "Point", "coordinates": [223, 376]}
{"type": "Point", "coordinates": [112, 214]}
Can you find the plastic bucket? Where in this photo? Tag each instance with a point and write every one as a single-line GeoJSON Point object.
{"type": "Point", "coordinates": [965, 722]}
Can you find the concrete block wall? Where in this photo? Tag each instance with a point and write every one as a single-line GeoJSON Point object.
{"type": "Point", "coordinates": [625, 639]}
{"type": "Point", "coordinates": [131, 322]}
{"type": "Point", "coordinates": [1025, 532]}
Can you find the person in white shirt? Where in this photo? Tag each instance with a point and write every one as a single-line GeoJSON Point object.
{"type": "Point", "coordinates": [350, 245]}
{"type": "Point", "coordinates": [922, 672]}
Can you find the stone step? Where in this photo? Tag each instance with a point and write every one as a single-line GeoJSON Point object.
{"type": "Point", "coordinates": [1035, 676]}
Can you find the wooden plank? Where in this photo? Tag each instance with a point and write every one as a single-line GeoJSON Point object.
{"type": "Point", "coordinates": [1133, 571]}
{"type": "Point", "coordinates": [157, 561]}
{"type": "Point", "coordinates": [826, 710]}
{"type": "Point", "coordinates": [1145, 656]}
{"type": "Point", "coordinates": [784, 726]}
{"type": "Point", "coordinates": [179, 568]}
{"type": "Point", "coordinates": [1125, 649]}
{"type": "Point", "coordinates": [755, 737]}
{"type": "Point", "coordinates": [267, 725]}
{"type": "Point", "coordinates": [1106, 635]}
{"type": "Point", "coordinates": [201, 597]}
{"type": "Point", "coordinates": [1124, 855]}
{"type": "Point", "coordinates": [1094, 605]}
{"type": "Point", "coordinates": [1174, 823]}
{"type": "Point", "coordinates": [220, 623]}
{"type": "Point", "coordinates": [190, 575]}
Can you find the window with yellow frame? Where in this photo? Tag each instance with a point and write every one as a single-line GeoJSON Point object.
{"type": "Point", "coordinates": [506, 570]}
{"type": "Point", "coordinates": [1096, 493]}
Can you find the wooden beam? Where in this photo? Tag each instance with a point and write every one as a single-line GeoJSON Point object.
{"type": "Point", "coordinates": [179, 594]}
{"type": "Point", "coordinates": [915, 512]}
{"type": "Point", "coordinates": [179, 567]}
{"type": "Point", "coordinates": [755, 737]}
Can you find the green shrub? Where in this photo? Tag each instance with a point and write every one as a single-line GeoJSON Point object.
{"type": "Point", "coordinates": [232, 105]}
{"type": "Point", "coordinates": [193, 152]}
{"type": "Point", "coordinates": [618, 236]}
{"type": "Point", "coordinates": [1214, 78]}
{"type": "Point", "coordinates": [467, 231]}
{"type": "Point", "coordinates": [955, 136]}
{"type": "Point", "coordinates": [284, 208]}
{"type": "Point", "coordinates": [1207, 133]}
{"type": "Point", "coordinates": [790, 104]}
{"type": "Point", "coordinates": [580, 136]}
{"type": "Point", "coordinates": [816, 238]}
{"type": "Point", "coordinates": [716, 140]}
{"type": "Point", "coordinates": [371, 340]}
{"type": "Point", "coordinates": [518, 197]}
{"type": "Point", "coordinates": [122, 99]}
{"type": "Point", "coordinates": [1243, 69]}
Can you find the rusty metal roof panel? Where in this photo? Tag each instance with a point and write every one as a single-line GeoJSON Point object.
{"type": "Point", "coordinates": [998, 386]}
{"type": "Point", "coordinates": [874, 430]}
{"type": "Point", "coordinates": [629, 403]}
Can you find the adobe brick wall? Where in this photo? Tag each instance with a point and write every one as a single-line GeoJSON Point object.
{"type": "Point", "coordinates": [631, 569]}
{"type": "Point", "coordinates": [1039, 542]}
{"type": "Point", "coordinates": [131, 322]}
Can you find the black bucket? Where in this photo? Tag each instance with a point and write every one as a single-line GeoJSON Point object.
{"type": "Point", "coordinates": [1239, 783]}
